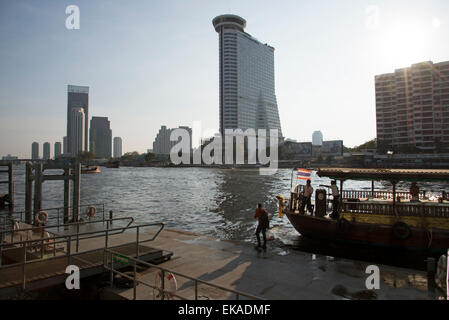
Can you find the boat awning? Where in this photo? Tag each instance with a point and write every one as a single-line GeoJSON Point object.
{"type": "Point", "coordinates": [417, 175]}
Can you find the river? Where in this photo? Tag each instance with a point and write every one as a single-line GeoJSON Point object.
{"type": "Point", "coordinates": [215, 202]}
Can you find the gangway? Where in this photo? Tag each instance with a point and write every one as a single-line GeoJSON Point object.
{"type": "Point", "coordinates": [41, 262]}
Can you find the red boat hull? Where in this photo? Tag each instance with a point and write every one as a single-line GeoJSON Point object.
{"type": "Point", "coordinates": [435, 241]}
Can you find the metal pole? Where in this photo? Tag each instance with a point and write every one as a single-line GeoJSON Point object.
{"type": "Point", "coordinates": [137, 243]}
{"type": "Point", "coordinates": [135, 282]}
{"type": "Point", "coordinates": [24, 264]}
{"type": "Point", "coordinates": [38, 168]}
{"type": "Point", "coordinates": [163, 284]}
{"type": "Point", "coordinates": [28, 193]}
{"type": "Point", "coordinates": [76, 192]}
{"type": "Point", "coordinates": [66, 197]}
{"type": "Point", "coordinates": [10, 188]}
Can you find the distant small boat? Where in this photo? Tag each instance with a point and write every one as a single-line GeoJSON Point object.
{"type": "Point", "coordinates": [90, 169]}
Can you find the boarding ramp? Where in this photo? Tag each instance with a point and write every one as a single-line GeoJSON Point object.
{"type": "Point", "coordinates": [37, 257]}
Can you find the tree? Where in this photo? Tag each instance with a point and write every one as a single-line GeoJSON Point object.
{"type": "Point", "coordinates": [130, 156]}
{"type": "Point", "coordinates": [85, 156]}
{"type": "Point", "coordinates": [149, 157]}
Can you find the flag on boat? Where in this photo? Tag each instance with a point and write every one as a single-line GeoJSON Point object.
{"type": "Point", "coordinates": [304, 174]}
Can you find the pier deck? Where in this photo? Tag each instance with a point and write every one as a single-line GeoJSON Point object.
{"type": "Point", "coordinates": [280, 274]}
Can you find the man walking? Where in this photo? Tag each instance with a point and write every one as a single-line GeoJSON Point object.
{"type": "Point", "coordinates": [264, 224]}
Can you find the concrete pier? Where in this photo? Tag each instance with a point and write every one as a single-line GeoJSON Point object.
{"type": "Point", "coordinates": [277, 274]}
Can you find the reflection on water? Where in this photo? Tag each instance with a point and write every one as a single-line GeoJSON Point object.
{"type": "Point", "coordinates": [215, 202]}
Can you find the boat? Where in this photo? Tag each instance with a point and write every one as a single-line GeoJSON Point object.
{"type": "Point", "coordinates": [377, 218]}
{"type": "Point", "coordinates": [90, 169]}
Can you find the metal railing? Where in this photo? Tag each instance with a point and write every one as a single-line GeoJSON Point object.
{"type": "Point", "coordinates": [66, 241]}
{"type": "Point", "coordinates": [20, 215]}
{"type": "Point", "coordinates": [109, 258]}
{"type": "Point", "coordinates": [399, 209]}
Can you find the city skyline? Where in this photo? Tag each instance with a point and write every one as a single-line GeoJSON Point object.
{"type": "Point", "coordinates": [327, 57]}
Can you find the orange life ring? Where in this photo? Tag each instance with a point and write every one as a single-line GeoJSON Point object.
{"type": "Point", "coordinates": [170, 284]}
{"type": "Point", "coordinates": [91, 212]}
{"type": "Point", "coordinates": [41, 217]}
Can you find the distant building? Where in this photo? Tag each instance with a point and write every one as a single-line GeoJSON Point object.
{"type": "Point", "coordinates": [9, 158]}
{"type": "Point", "coordinates": [77, 97]}
{"type": "Point", "coordinates": [101, 137]}
{"type": "Point", "coordinates": [57, 149]}
{"type": "Point", "coordinates": [35, 151]}
{"type": "Point", "coordinates": [412, 109]}
{"type": "Point", "coordinates": [77, 119]}
{"type": "Point", "coordinates": [46, 151]}
{"type": "Point", "coordinates": [162, 143]}
{"type": "Point", "coordinates": [65, 146]}
{"type": "Point", "coordinates": [247, 86]}
{"type": "Point", "coordinates": [118, 152]}
{"type": "Point", "coordinates": [317, 138]}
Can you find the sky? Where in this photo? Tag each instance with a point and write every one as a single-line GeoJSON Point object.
{"type": "Point", "coordinates": [155, 62]}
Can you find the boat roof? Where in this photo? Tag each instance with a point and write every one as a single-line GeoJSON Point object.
{"type": "Point", "coordinates": [415, 175]}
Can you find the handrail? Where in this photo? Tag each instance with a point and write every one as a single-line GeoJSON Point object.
{"type": "Point", "coordinates": [402, 209]}
{"type": "Point", "coordinates": [163, 271]}
{"type": "Point", "coordinates": [68, 225]}
{"type": "Point", "coordinates": [69, 238]}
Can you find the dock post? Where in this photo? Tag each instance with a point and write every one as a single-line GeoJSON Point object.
{"type": "Point", "coordinates": [10, 187]}
{"type": "Point", "coordinates": [38, 168]}
{"type": "Point", "coordinates": [66, 196]}
{"type": "Point", "coordinates": [76, 192]}
{"type": "Point", "coordinates": [28, 193]}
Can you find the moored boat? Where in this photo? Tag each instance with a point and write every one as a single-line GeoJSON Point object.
{"type": "Point", "coordinates": [90, 169]}
{"type": "Point", "coordinates": [378, 218]}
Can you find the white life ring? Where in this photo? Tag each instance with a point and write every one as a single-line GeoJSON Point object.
{"type": "Point", "coordinates": [41, 217]}
{"type": "Point", "coordinates": [91, 212]}
{"type": "Point", "coordinates": [442, 268]}
{"type": "Point", "coordinates": [170, 284]}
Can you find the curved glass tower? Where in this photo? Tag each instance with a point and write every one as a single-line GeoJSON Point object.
{"type": "Point", "coordinates": [247, 93]}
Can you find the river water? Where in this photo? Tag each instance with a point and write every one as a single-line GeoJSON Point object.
{"type": "Point", "coordinates": [215, 202]}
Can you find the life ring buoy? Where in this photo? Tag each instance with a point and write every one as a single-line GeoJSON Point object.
{"type": "Point", "coordinates": [401, 231]}
{"type": "Point", "coordinates": [170, 284]}
{"type": "Point", "coordinates": [442, 268]}
{"type": "Point", "coordinates": [91, 212]}
{"type": "Point", "coordinates": [41, 218]}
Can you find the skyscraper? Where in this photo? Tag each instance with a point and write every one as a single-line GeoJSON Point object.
{"type": "Point", "coordinates": [317, 138]}
{"type": "Point", "coordinates": [162, 143]}
{"type": "Point", "coordinates": [46, 151]}
{"type": "Point", "coordinates": [117, 147]}
{"type": "Point", "coordinates": [101, 137]}
{"type": "Point", "coordinates": [35, 151]}
{"type": "Point", "coordinates": [77, 119]}
{"type": "Point", "coordinates": [65, 146]}
{"type": "Point", "coordinates": [412, 107]}
{"type": "Point", "coordinates": [247, 93]}
{"type": "Point", "coordinates": [77, 97]}
{"type": "Point", "coordinates": [57, 149]}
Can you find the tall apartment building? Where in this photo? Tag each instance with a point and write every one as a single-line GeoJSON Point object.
{"type": "Point", "coordinates": [57, 149]}
{"type": "Point", "coordinates": [412, 108]}
{"type": "Point", "coordinates": [77, 119]}
{"type": "Point", "coordinates": [162, 143]}
{"type": "Point", "coordinates": [247, 87]}
{"type": "Point", "coordinates": [317, 138]}
{"type": "Point", "coordinates": [118, 147]}
{"type": "Point", "coordinates": [101, 137]}
{"type": "Point", "coordinates": [35, 151]}
{"type": "Point", "coordinates": [77, 97]}
{"type": "Point", "coordinates": [65, 146]}
{"type": "Point", "coordinates": [46, 151]}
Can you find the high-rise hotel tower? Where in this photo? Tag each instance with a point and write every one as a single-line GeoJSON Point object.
{"type": "Point", "coordinates": [77, 97]}
{"type": "Point", "coordinates": [247, 94]}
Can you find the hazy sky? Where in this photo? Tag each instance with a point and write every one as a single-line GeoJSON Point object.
{"type": "Point", "coordinates": [150, 63]}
